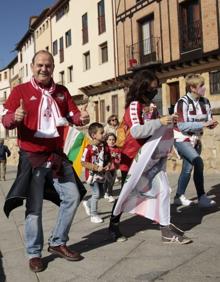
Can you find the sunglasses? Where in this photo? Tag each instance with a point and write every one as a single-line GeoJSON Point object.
{"type": "Point", "coordinates": [113, 119]}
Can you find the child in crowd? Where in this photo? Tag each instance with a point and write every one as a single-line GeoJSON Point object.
{"type": "Point", "coordinates": [96, 160]}
{"type": "Point", "coordinates": [115, 153]}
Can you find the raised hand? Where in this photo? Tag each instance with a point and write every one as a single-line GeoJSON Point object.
{"type": "Point", "coordinates": [166, 120]}
{"type": "Point", "coordinates": [210, 124]}
{"type": "Point", "coordinates": [20, 112]}
{"type": "Point", "coordinates": [84, 117]}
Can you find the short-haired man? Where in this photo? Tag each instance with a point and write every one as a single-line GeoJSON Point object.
{"type": "Point", "coordinates": [40, 109]}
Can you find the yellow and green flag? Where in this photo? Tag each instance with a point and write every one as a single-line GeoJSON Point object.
{"type": "Point", "coordinates": [74, 145]}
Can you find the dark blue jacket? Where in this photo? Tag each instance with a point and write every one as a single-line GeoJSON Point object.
{"type": "Point", "coordinates": [3, 151]}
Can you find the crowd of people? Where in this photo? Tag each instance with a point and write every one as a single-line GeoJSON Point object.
{"type": "Point", "coordinates": [40, 109]}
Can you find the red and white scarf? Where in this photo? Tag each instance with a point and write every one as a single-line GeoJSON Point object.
{"type": "Point", "coordinates": [49, 117]}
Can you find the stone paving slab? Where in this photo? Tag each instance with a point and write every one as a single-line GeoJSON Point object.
{"type": "Point", "coordinates": [142, 258]}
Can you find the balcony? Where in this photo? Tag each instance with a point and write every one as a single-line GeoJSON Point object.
{"type": "Point", "coordinates": [191, 36]}
{"type": "Point", "coordinates": [144, 53]}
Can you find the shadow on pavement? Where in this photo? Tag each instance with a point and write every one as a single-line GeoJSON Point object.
{"type": "Point", "coordinates": [188, 217]}
{"type": "Point", "coordinates": [185, 219]}
{"type": "Point", "coordinates": [2, 273]}
{"type": "Point", "coordinates": [101, 237]}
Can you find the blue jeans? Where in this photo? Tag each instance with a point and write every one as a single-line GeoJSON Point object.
{"type": "Point", "coordinates": [70, 198]}
{"type": "Point", "coordinates": [191, 158]}
{"type": "Point", "coordinates": [97, 193]}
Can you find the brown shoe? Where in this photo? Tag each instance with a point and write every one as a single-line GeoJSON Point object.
{"type": "Point", "coordinates": [36, 264]}
{"type": "Point", "coordinates": [64, 252]}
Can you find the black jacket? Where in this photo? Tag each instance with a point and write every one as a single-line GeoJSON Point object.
{"type": "Point", "coordinates": [3, 151]}
{"type": "Point", "coordinates": [18, 191]}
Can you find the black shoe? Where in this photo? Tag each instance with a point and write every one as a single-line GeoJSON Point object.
{"type": "Point", "coordinates": [115, 233]}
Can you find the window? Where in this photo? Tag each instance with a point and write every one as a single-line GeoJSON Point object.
{"type": "Point", "coordinates": [61, 50]}
{"type": "Point", "coordinates": [68, 38]}
{"type": "Point", "coordinates": [62, 11]}
{"type": "Point", "coordinates": [70, 73]}
{"type": "Point", "coordinates": [148, 46]}
{"type": "Point", "coordinates": [115, 104]}
{"type": "Point", "coordinates": [190, 26]}
{"type": "Point", "coordinates": [26, 69]}
{"type": "Point", "coordinates": [86, 61]}
{"type": "Point", "coordinates": [103, 52]}
{"type": "Point", "coordinates": [102, 111]}
{"type": "Point", "coordinates": [0, 77]}
{"type": "Point", "coordinates": [62, 81]}
{"type": "Point", "coordinates": [85, 35]}
{"type": "Point", "coordinates": [101, 17]}
{"type": "Point", "coordinates": [55, 48]}
{"type": "Point", "coordinates": [214, 82]}
{"type": "Point", "coordinates": [5, 75]}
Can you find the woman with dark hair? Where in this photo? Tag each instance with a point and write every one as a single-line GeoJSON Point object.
{"type": "Point", "coordinates": [145, 190]}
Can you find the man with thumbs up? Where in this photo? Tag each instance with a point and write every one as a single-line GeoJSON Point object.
{"type": "Point", "coordinates": [40, 109]}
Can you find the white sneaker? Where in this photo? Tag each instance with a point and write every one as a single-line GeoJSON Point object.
{"type": "Point", "coordinates": [111, 199]}
{"type": "Point", "coordinates": [182, 201]}
{"type": "Point", "coordinates": [205, 202]}
{"type": "Point", "coordinates": [106, 196]}
{"type": "Point", "coordinates": [87, 209]}
{"type": "Point", "coordinates": [96, 219]}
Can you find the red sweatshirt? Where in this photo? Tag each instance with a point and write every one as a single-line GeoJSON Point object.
{"type": "Point", "coordinates": [27, 128]}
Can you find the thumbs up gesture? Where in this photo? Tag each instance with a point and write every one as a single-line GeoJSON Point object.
{"type": "Point", "coordinates": [20, 112]}
{"type": "Point", "coordinates": [84, 117]}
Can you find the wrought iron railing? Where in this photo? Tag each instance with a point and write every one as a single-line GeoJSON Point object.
{"type": "Point", "coordinates": [144, 52]}
{"type": "Point", "coordinates": [191, 36]}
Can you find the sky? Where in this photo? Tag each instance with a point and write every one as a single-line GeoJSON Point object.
{"type": "Point", "coordinates": [14, 21]}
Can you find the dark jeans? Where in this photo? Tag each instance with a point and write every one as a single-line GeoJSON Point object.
{"type": "Point", "coordinates": [115, 219]}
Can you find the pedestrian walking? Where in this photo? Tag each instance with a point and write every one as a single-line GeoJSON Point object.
{"type": "Point", "coordinates": [145, 190]}
{"type": "Point", "coordinates": [4, 154]}
{"type": "Point", "coordinates": [40, 109]}
{"type": "Point", "coordinates": [194, 115]}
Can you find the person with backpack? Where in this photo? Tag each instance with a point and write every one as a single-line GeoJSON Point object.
{"type": "Point", "coordinates": [194, 115]}
{"type": "Point", "coordinates": [4, 154]}
{"type": "Point", "coordinates": [145, 189]}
